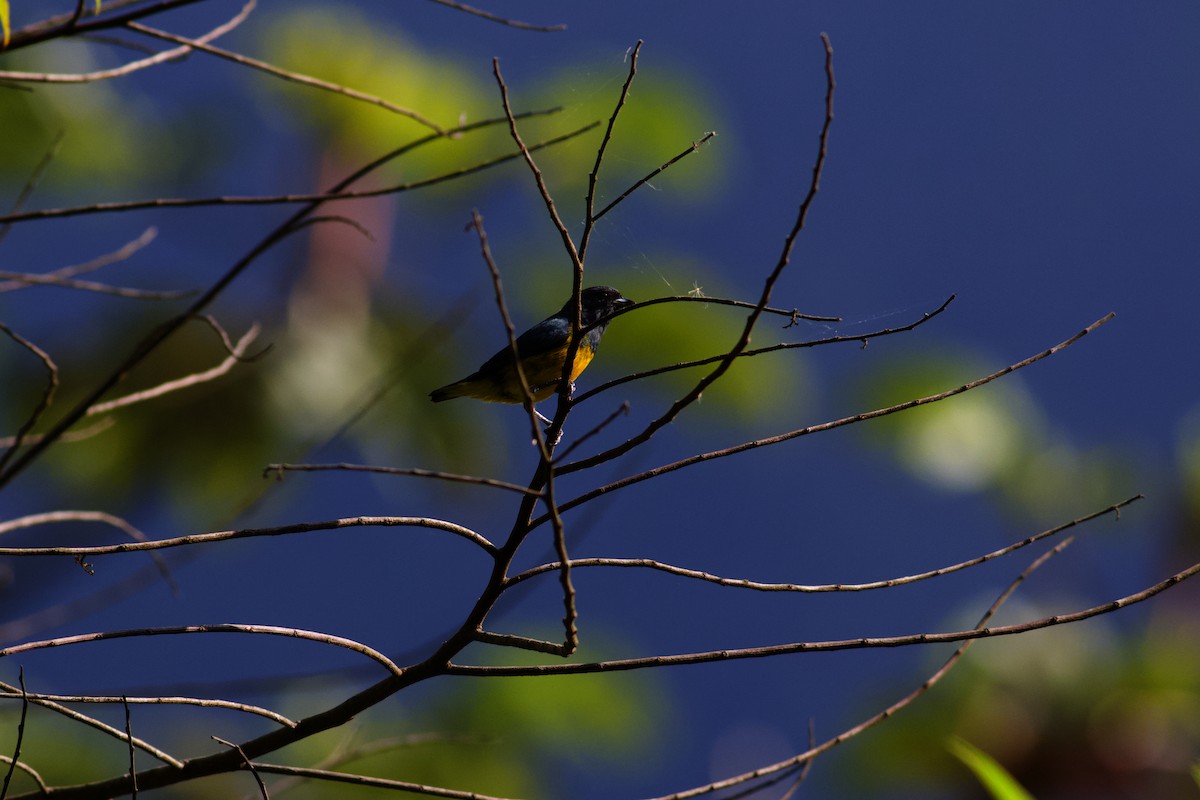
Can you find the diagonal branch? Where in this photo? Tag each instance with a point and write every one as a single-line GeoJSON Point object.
{"type": "Point", "coordinates": [752, 319]}
{"type": "Point", "coordinates": [133, 66]}
{"type": "Point", "coordinates": [824, 426]}
{"type": "Point", "coordinates": [294, 77]}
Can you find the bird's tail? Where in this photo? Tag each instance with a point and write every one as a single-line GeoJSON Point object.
{"type": "Point", "coordinates": [448, 392]}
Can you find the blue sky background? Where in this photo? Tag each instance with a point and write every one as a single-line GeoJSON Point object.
{"type": "Point", "coordinates": [1037, 159]}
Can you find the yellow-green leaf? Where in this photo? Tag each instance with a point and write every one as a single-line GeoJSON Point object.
{"type": "Point", "coordinates": [994, 778]}
{"type": "Point", "coordinates": [4, 19]}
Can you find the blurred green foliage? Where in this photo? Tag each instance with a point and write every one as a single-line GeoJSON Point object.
{"type": "Point", "coordinates": [992, 439]}
{"type": "Point", "coordinates": [999, 784]}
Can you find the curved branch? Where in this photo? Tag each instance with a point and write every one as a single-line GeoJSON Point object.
{"type": "Point", "coordinates": [294, 77]}
{"type": "Point", "coordinates": [164, 700]}
{"type": "Point", "coordinates": [860, 643]}
{"type": "Point", "coordinates": [824, 426]}
{"type": "Point", "coordinates": [758, 351]}
{"type": "Point", "coordinates": [248, 533]}
{"type": "Point", "coordinates": [888, 583]}
{"type": "Point", "coordinates": [133, 66]}
{"type": "Point", "coordinates": [267, 630]}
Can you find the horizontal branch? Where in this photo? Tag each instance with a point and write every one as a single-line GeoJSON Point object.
{"type": "Point", "coordinates": [453, 477]}
{"type": "Point", "coordinates": [783, 437]}
{"type": "Point", "coordinates": [758, 351]}
{"type": "Point", "coordinates": [827, 646]}
{"type": "Point", "coordinates": [287, 199]}
{"type": "Point", "coordinates": [742, 583]}
{"type": "Point", "coordinates": [249, 533]}
{"type": "Point", "coordinates": [165, 700]}
{"type": "Point", "coordinates": [262, 630]}
{"type": "Point", "coordinates": [367, 780]}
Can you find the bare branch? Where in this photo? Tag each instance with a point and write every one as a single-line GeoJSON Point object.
{"type": "Point", "coordinates": [129, 741]}
{"type": "Point", "coordinates": [118, 255]}
{"type": "Point", "coordinates": [320, 197]}
{"type": "Point", "coordinates": [16, 756]}
{"type": "Point", "coordinates": [824, 426]}
{"type": "Point", "coordinates": [696, 145]}
{"type": "Point", "coordinates": [47, 394]}
{"type": "Point", "coordinates": [162, 701]}
{"type": "Point", "coordinates": [24, 279]}
{"type": "Point", "coordinates": [262, 787]}
{"type": "Point", "coordinates": [589, 203]}
{"type": "Point", "coordinates": [248, 533]}
{"type": "Point", "coordinates": [752, 318]}
{"type": "Point", "coordinates": [33, 180]}
{"type": "Point", "coordinates": [52, 517]}
{"type": "Point", "coordinates": [758, 351]}
{"type": "Point", "coordinates": [512, 23]}
{"type": "Point", "coordinates": [888, 583]}
{"type": "Point", "coordinates": [365, 780]}
{"type": "Point", "coordinates": [105, 728]}
{"type": "Point", "coordinates": [236, 356]}
{"type": "Point", "coordinates": [294, 77]}
{"type": "Point", "coordinates": [826, 646]}
{"type": "Point", "coordinates": [807, 756]}
{"type": "Point", "coordinates": [133, 66]}
{"type": "Point", "coordinates": [279, 469]}
{"type": "Point", "coordinates": [264, 630]}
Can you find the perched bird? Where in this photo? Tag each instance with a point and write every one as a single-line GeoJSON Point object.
{"type": "Point", "coordinates": [543, 351]}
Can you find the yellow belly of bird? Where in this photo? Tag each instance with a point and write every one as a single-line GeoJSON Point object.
{"type": "Point", "coordinates": [542, 373]}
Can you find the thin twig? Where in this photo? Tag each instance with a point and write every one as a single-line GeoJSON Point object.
{"type": "Point", "coordinates": [123, 525]}
{"type": "Point", "coordinates": [294, 77]}
{"type": "Point", "coordinates": [279, 469]}
{"type": "Point", "coordinates": [510, 332]}
{"type": "Point", "coordinates": [121, 254]}
{"type": "Point", "coordinates": [34, 179]}
{"type": "Point", "coordinates": [512, 23]}
{"type": "Point", "coordinates": [16, 756]}
{"type": "Point", "coordinates": [176, 630]}
{"type": "Point", "coordinates": [129, 740]}
{"type": "Point", "coordinates": [103, 727]}
{"type": "Point", "coordinates": [888, 583]}
{"type": "Point", "coordinates": [907, 640]}
{"type": "Point", "coordinates": [262, 787]}
{"type": "Point", "coordinates": [758, 351]}
{"type": "Point", "coordinates": [29, 279]}
{"type": "Point", "coordinates": [696, 145]}
{"type": "Point", "coordinates": [47, 394]}
{"type": "Point", "coordinates": [520, 642]}
{"type": "Point", "coordinates": [319, 197]}
{"type": "Point", "coordinates": [752, 318]}
{"type": "Point", "coordinates": [248, 533]}
{"type": "Point", "coordinates": [365, 780]}
{"type": "Point", "coordinates": [883, 715]}
{"type": "Point", "coordinates": [589, 203]}
{"type": "Point", "coordinates": [235, 357]}
{"type": "Point", "coordinates": [824, 426]}
{"type": "Point", "coordinates": [163, 701]}
{"type": "Point", "coordinates": [622, 409]}
{"type": "Point", "coordinates": [133, 66]}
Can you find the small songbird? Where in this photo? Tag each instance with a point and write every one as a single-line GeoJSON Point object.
{"type": "Point", "coordinates": [543, 351]}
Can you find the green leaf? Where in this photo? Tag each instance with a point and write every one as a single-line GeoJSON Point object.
{"type": "Point", "coordinates": [994, 778]}
{"type": "Point", "coordinates": [4, 19]}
